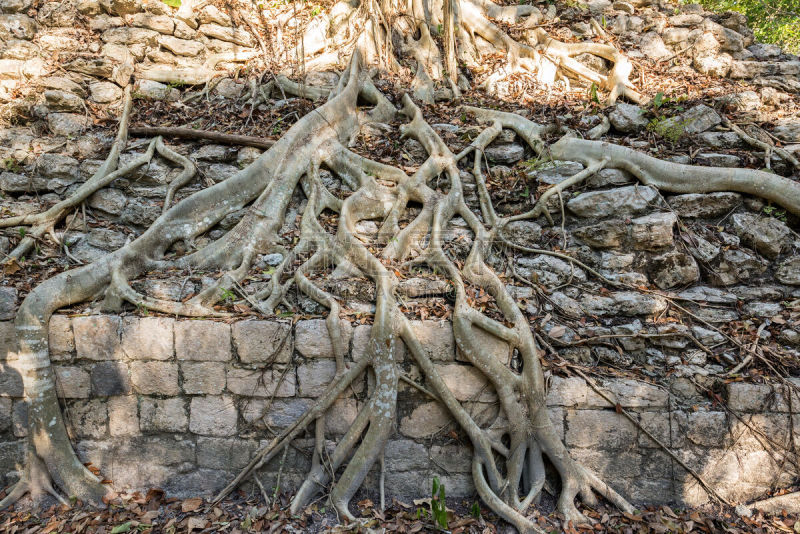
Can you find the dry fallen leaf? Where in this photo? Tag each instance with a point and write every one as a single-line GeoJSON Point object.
{"type": "Point", "coordinates": [11, 267]}
{"type": "Point", "coordinates": [557, 331]}
{"type": "Point", "coordinates": [190, 505]}
{"type": "Point", "coordinates": [195, 523]}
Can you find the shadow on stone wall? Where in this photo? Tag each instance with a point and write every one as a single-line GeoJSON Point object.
{"type": "Point", "coordinates": [12, 449]}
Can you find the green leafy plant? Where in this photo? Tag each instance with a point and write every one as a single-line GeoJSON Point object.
{"type": "Point", "coordinates": [593, 94]}
{"type": "Point", "coordinates": [475, 510]}
{"type": "Point", "coordinates": [776, 212]}
{"type": "Point", "coordinates": [172, 3]}
{"type": "Point", "coordinates": [772, 21]}
{"type": "Point", "coordinates": [438, 508]}
{"type": "Point", "coordinates": [316, 10]}
{"type": "Point", "coordinates": [658, 100]}
{"type": "Point", "coordinates": [661, 100]}
{"type": "Point", "coordinates": [124, 527]}
{"type": "Point", "coordinates": [227, 294]}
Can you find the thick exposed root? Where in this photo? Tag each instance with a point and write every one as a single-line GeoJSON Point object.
{"type": "Point", "coordinates": [193, 75]}
{"type": "Point", "coordinates": [268, 184]}
{"type": "Point", "coordinates": [397, 35]}
{"type": "Point", "coordinates": [190, 133]}
{"type": "Point", "coordinates": [510, 477]}
{"type": "Point", "coordinates": [35, 480]}
{"type": "Point", "coordinates": [532, 435]}
{"type": "Point", "coordinates": [664, 175]}
{"type": "Point", "coordinates": [677, 178]}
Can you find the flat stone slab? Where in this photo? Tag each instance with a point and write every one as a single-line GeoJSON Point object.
{"type": "Point", "coordinates": [775, 505]}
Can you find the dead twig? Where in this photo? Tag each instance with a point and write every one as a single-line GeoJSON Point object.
{"type": "Point", "coordinates": [189, 133]}
{"type": "Point", "coordinates": [766, 147]}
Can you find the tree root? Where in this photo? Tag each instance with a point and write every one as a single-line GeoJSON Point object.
{"type": "Point", "coordinates": [678, 178]}
{"type": "Point", "coordinates": [43, 223]}
{"type": "Point", "coordinates": [663, 175]}
{"type": "Point", "coordinates": [189, 133]}
{"type": "Point", "coordinates": [194, 75]}
{"type": "Point", "coordinates": [766, 147]}
{"type": "Point", "coordinates": [461, 23]}
{"type": "Point", "coordinates": [34, 480]}
{"type": "Point", "coordinates": [509, 477]}
{"type": "Point", "coordinates": [541, 205]}
{"type": "Point", "coordinates": [532, 436]}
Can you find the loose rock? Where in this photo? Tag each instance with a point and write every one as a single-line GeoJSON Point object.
{"type": "Point", "coordinates": [505, 154]}
{"type": "Point", "coordinates": [768, 235]}
{"type": "Point", "coordinates": [67, 124]}
{"type": "Point", "coordinates": [789, 272]}
{"type": "Point", "coordinates": [627, 118]}
{"type": "Point", "coordinates": [704, 206]}
{"type": "Point", "coordinates": [105, 92]}
{"type": "Point", "coordinates": [674, 269]}
{"type": "Point", "coordinates": [619, 201]}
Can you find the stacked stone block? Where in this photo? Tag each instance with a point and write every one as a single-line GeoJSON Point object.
{"type": "Point", "coordinates": [184, 404]}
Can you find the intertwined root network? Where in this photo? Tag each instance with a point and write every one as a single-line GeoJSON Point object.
{"type": "Point", "coordinates": [439, 40]}
{"type": "Point", "coordinates": [468, 36]}
{"type": "Point", "coordinates": [509, 476]}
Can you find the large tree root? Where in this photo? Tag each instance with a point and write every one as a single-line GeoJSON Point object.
{"type": "Point", "coordinates": [665, 175]}
{"type": "Point", "coordinates": [509, 477]}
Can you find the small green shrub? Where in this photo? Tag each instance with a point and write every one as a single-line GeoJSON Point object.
{"type": "Point", "coordinates": [593, 94]}
{"type": "Point", "coordinates": [475, 510]}
{"type": "Point", "coordinates": [772, 21]}
{"type": "Point", "coordinates": [227, 295]}
{"type": "Point", "coordinates": [438, 509]}
{"type": "Point", "coordinates": [774, 211]}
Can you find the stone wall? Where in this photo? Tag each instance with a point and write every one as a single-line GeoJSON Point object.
{"type": "Point", "coordinates": [183, 405]}
{"type": "Point", "coordinates": [102, 44]}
